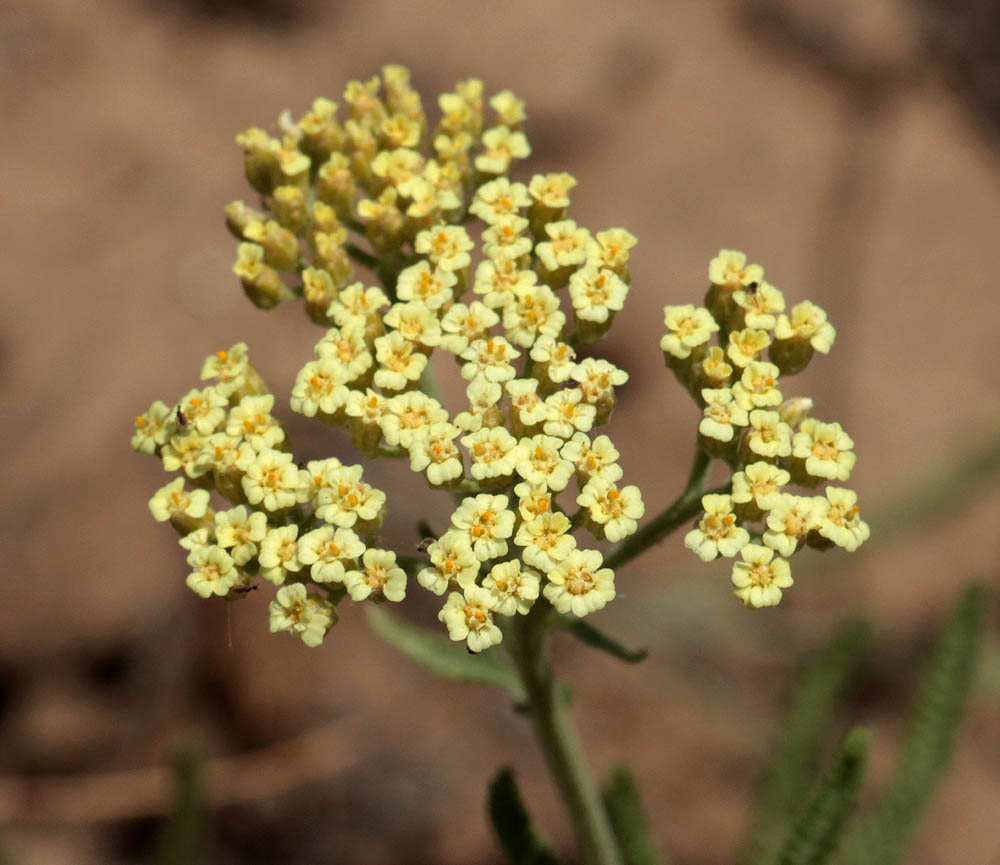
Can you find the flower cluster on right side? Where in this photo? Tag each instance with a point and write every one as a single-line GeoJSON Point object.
{"type": "Point", "coordinates": [769, 441]}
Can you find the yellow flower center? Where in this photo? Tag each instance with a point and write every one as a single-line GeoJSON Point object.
{"type": "Point", "coordinates": [760, 574]}
{"type": "Point", "coordinates": [825, 451]}
{"type": "Point", "coordinates": [579, 582]}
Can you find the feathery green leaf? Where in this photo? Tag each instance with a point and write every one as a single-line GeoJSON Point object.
{"type": "Point", "coordinates": [448, 659]}
{"type": "Point", "coordinates": [881, 838]}
{"type": "Point", "coordinates": [628, 818]}
{"type": "Point", "coordinates": [793, 767]}
{"type": "Point", "coordinates": [817, 830]}
{"type": "Point", "coordinates": [513, 824]}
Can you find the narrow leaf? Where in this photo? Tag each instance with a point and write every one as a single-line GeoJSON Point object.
{"type": "Point", "coordinates": [818, 829]}
{"type": "Point", "coordinates": [513, 824]}
{"type": "Point", "coordinates": [883, 836]}
{"type": "Point", "coordinates": [596, 639]}
{"type": "Point", "coordinates": [184, 829]}
{"type": "Point", "coordinates": [793, 766]}
{"type": "Point", "coordinates": [628, 818]}
{"type": "Point", "coordinates": [448, 659]}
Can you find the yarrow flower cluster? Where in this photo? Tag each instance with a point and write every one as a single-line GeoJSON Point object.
{"type": "Point", "coordinates": [475, 266]}
{"type": "Point", "coordinates": [768, 440]}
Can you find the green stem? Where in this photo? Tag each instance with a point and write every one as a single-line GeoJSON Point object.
{"type": "Point", "coordinates": [361, 256]}
{"type": "Point", "coordinates": [558, 739]}
{"type": "Point", "coordinates": [675, 515]}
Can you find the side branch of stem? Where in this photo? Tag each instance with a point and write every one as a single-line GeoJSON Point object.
{"type": "Point", "coordinates": [669, 520]}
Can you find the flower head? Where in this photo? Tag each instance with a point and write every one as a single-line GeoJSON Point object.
{"type": "Point", "coordinates": [579, 585]}
{"type": "Point", "coordinates": [760, 577]}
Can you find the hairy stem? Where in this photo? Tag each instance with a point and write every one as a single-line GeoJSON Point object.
{"type": "Point", "coordinates": [558, 739]}
{"type": "Point", "coordinates": [674, 516]}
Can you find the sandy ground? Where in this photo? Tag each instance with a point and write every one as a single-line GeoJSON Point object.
{"type": "Point", "coordinates": [821, 138]}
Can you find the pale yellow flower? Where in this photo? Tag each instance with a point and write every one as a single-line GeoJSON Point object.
{"type": "Point", "coordinates": [408, 417]}
{"type": "Point", "coordinates": [553, 361]}
{"type": "Point", "coordinates": [760, 577]}
{"type": "Point", "coordinates": [152, 428]}
{"type": "Point", "coordinates": [598, 379]}
{"type": "Point", "coordinates": [454, 563]}
{"type": "Point", "coordinates": [203, 410]}
{"type": "Point", "coordinates": [214, 572]}
{"type": "Point", "coordinates": [349, 348]}
{"type": "Point", "coordinates": [360, 306]}
{"type": "Point", "coordinates": [272, 480]}
{"type": "Point", "coordinates": [514, 588]}
{"type": "Point", "coordinates": [807, 322]}
{"type": "Point", "coordinates": [717, 533]}
{"type": "Point", "coordinates": [579, 585]}
{"type": "Point", "coordinates": [432, 287]}
{"type": "Point", "coordinates": [498, 199]}
{"type": "Point", "coordinates": [596, 294]}
{"type": "Point", "coordinates": [610, 249]}
{"type": "Point", "coordinates": [547, 539]}
{"type": "Point", "coordinates": [446, 246]}
{"type": "Point", "coordinates": [758, 386]}
{"type": "Point", "coordinates": [329, 553]}
{"type": "Point", "coordinates": [789, 520]}
{"type": "Point", "coordinates": [316, 476]}
{"type": "Point", "coordinates": [566, 246]}
{"type": "Point", "coordinates": [487, 522]}
{"type": "Point", "coordinates": [540, 462]}
{"type": "Point", "coordinates": [379, 578]}
{"type": "Point", "coordinates": [436, 454]}
{"type": "Point", "coordinates": [758, 487]}
{"type": "Point", "coordinates": [400, 362]}
{"type": "Point", "coordinates": [307, 616]}
{"type": "Point", "coordinates": [611, 513]}
{"type": "Point", "coordinates": [533, 500]}
{"type": "Point", "coordinates": [722, 415]}
{"type": "Point", "coordinates": [320, 388]}
{"type": "Point", "coordinates": [397, 166]}
{"type": "Point", "coordinates": [824, 450]}
{"type": "Point", "coordinates": [240, 531]}
{"type": "Point", "coordinates": [279, 554]}
{"type": "Point", "coordinates": [730, 270]}
{"type": "Point", "coordinates": [187, 510]}
{"type": "Point", "coordinates": [593, 460]}
{"type": "Point", "coordinates": [838, 519]}
{"type": "Point", "coordinates": [567, 413]}
{"type": "Point", "coordinates": [252, 419]}
{"type": "Point", "coordinates": [185, 452]}
{"type": "Point", "coordinates": [483, 397]}
{"type": "Point", "coordinates": [349, 502]}
{"type": "Point", "coordinates": [768, 436]}
{"type": "Point", "coordinates": [468, 615]}
{"type": "Point", "coordinates": [526, 406]}
{"type": "Point", "coordinates": [505, 239]}
{"type": "Point", "coordinates": [501, 147]}
{"type": "Point", "coordinates": [687, 328]}
{"type": "Point", "coordinates": [713, 370]}
{"type": "Point", "coordinates": [416, 323]}
{"type": "Point", "coordinates": [532, 314]}
{"type": "Point", "coordinates": [463, 323]}
{"type": "Point", "coordinates": [509, 109]}
{"type": "Point", "coordinates": [746, 345]}
{"type": "Point", "coordinates": [552, 190]}
{"type": "Point", "coordinates": [760, 305]}
{"type": "Point", "coordinates": [490, 359]}
{"type": "Point", "coordinates": [497, 281]}
{"type": "Point", "coordinates": [493, 454]}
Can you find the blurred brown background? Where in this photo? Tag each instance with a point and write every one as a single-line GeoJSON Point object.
{"type": "Point", "coordinates": [849, 147]}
